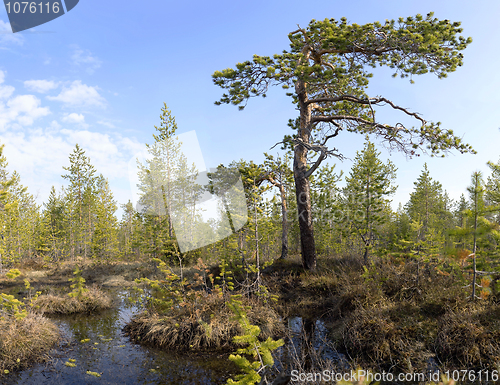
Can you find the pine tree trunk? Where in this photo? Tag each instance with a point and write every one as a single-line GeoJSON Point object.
{"type": "Point", "coordinates": [474, 246]}
{"type": "Point", "coordinates": [284, 226]}
{"type": "Point", "coordinates": [257, 256]}
{"type": "Point", "coordinates": [302, 187]}
{"type": "Point", "coordinates": [307, 245]}
{"type": "Point", "coordinates": [284, 216]}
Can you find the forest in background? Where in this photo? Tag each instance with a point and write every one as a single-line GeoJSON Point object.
{"type": "Point", "coordinates": [79, 220]}
{"type": "Point", "coordinates": [399, 289]}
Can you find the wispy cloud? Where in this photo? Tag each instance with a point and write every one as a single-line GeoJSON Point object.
{"type": "Point", "coordinates": [5, 91]}
{"type": "Point", "coordinates": [40, 154]}
{"type": "Point", "coordinates": [74, 118]}
{"type": "Point", "coordinates": [79, 95]}
{"type": "Point", "coordinates": [22, 109]}
{"type": "Point", "coordinates": [84, 58]}
{"type": "Point", "coordinates": [41, 86]}
{"type": "Point", "coordinates": [7, 37]}
{"type": "Point", "coordinates": [106, 124]}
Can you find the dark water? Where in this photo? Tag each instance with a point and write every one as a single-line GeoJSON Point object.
{"type": "Point", "coordinates": [308, 345]}
{"type": "Point", "coordinates": [117, 360]}
{"type": "Point", "coordinates": [315, 331]}
{"type": "Point", "coordinates": [96, 344]}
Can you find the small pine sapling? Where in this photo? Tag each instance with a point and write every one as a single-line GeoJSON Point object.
{"type": "Point", "coordinates": [78, 285]}
{"type": "Point", "coordinates": [261, 352]}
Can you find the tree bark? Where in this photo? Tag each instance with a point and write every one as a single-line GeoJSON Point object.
{"type": "Point", "coordinates": [473, 297]}
{"type": "Point", "coordinates": [284, 228]}
{"type": "Point", "coordinates": [284, 216]}
{"type": "Point", "coordinates": [302, 187]}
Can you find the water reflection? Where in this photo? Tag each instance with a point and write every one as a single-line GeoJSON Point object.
{"type": "Point", "coordinates": [96, 344]}
{"type": "Point", "coordinates": [308, 348]}
{"type": "Point", "coordinates": [312, 334]}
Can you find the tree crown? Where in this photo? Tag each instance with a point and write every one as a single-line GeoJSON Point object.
{"type": "Point", "coordinates": [326, 65]}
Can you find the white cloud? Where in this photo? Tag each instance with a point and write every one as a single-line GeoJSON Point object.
{"type": "Point", "coordinates": [55, 125]}
{"type": "Point", "coordinates": [39, 156]}
{"type": "Point", "coordinates": [107, 124]}
{"type": "Point", "coordinates": [78, 94]}
{"type": "Point", "coordinates": [5, 91]}
{"type": "Point", "coordinates": [22, 109]}
{"type": "Point", "coordinates": [85, 58]}
{"type": "Point", "coordinates": [74, 118]}
{"type": "Point", "coordinates": [41, 86]}
{"type": "Point", "coordinates": [6, 35]}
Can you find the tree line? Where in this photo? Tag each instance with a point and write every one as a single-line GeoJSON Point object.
{"type": "Point", "coordinates": [325, 72]}
{"type": "Point", "coordinates": [357, 218]}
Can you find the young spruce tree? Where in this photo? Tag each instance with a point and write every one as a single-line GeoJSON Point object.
{"type": "Point", "coordinates": [368, 184]}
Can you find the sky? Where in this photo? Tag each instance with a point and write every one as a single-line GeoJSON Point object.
{"type": "Point", "coordinates": [99, 75]}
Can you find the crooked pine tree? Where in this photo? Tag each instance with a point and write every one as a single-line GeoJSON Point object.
{"type": "Point", "coordinates": [325, 71]}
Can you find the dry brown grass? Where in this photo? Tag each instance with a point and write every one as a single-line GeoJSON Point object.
{"type": "Point", "coordinates": [94, 299]}
{"type": "Point", "coordinates": [98, 272]}
{"type": "Point", "coordinates": [25, 341]}
{"type": "Point", "coordinates": [470, 337]}
{"type": "Point", "coordinates": [210, 327]}
{"type": "Point", "coordinates": [397, 314]}
{"type": "Point", "coordinates": [371, 336]}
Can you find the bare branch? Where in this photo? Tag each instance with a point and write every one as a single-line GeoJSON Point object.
{"type": "Point", "coordinates": [301, 30]}
{"type": "Point", "coordinates": [369, 101]}
{"type": "Point", "coordinates": [339, 128]}
{"type": "Point", "coordinates": [358, 49]}
{"type": "Point", "coordinates": [324, 153]}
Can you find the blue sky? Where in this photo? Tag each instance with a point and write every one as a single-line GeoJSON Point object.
{"type": "Point", "coordinates": [99, 75]}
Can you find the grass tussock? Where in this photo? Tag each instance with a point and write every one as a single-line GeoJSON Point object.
{"type": "Point", "coordinates": [470, 337]}
{"type": "Point", "coordinates": [24, 341]}
{"type": "Point", "coordinates": [400, 313]}
{"type": "Point", "coordinates": [208, 328]}
{"type": "Point", "coordinates": [92, 300]}
{"type": "Point", "coordinates": [372, 336]}
{"type": "Point", "coordinates": [397, 313]}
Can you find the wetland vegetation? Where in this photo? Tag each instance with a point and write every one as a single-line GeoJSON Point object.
{"type": "Point", "coordinates": [411, 290]}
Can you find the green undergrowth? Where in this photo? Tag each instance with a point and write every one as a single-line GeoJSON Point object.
{"type": "Point", "coordinates": [192, 314]}
{"type": "Point", "coordinates": [80, 299]}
